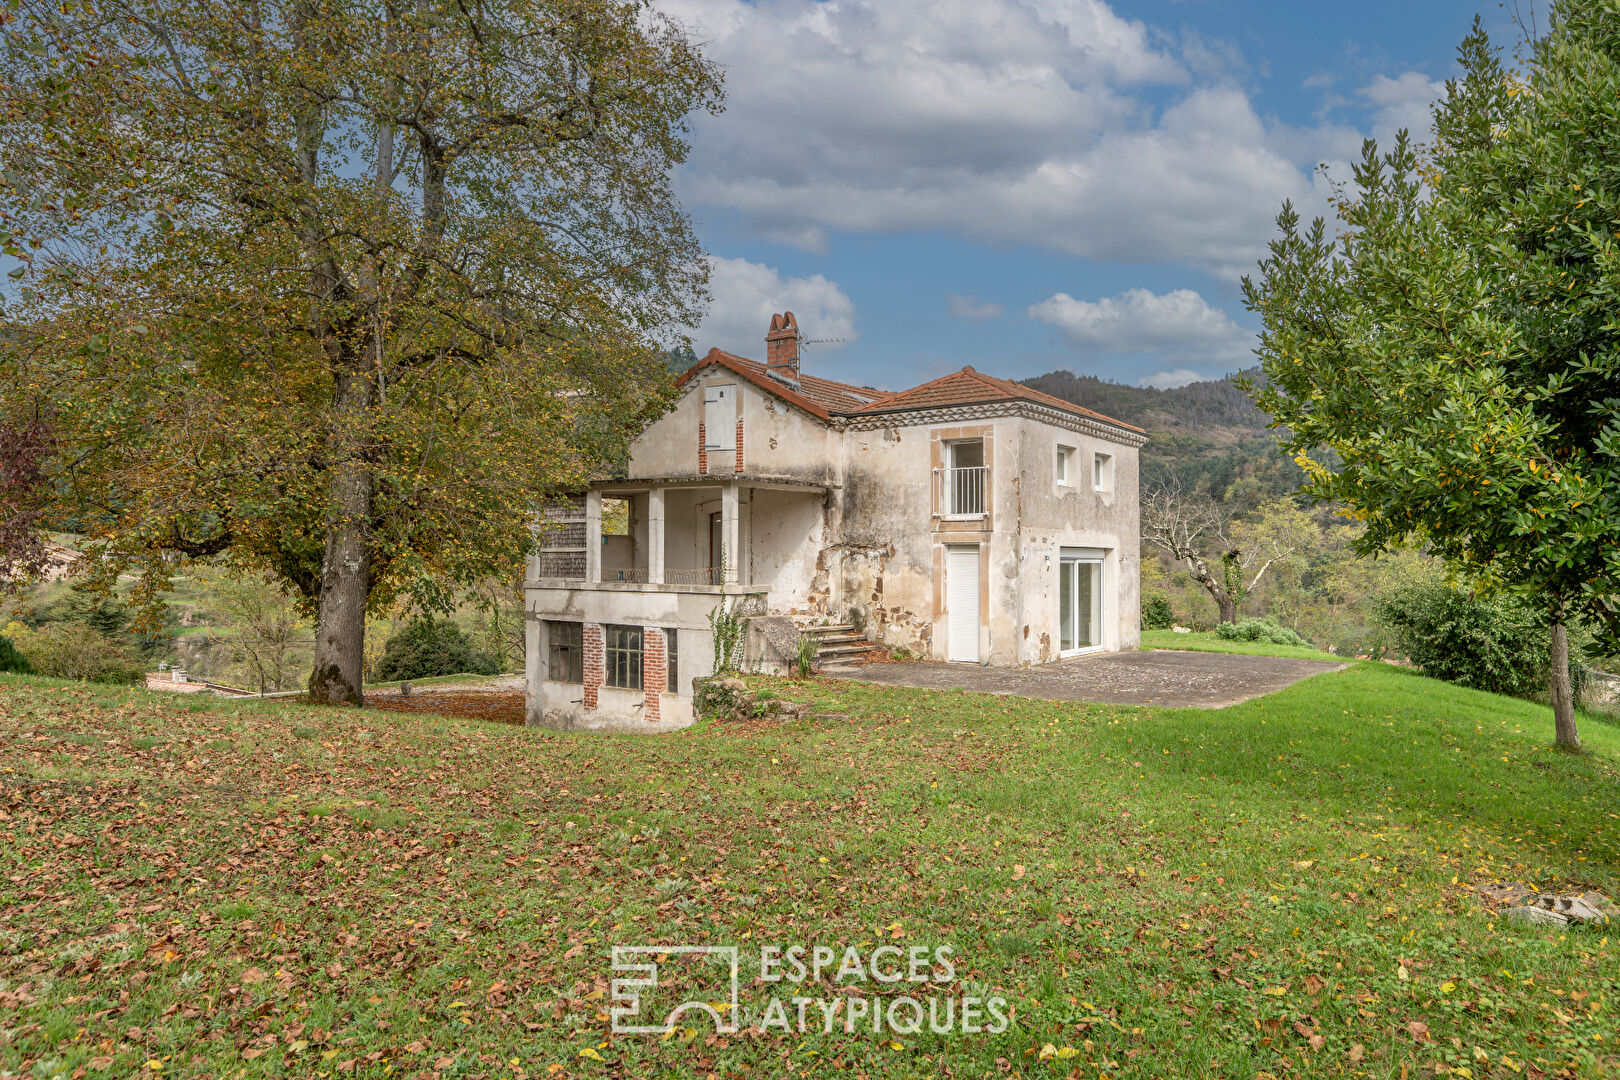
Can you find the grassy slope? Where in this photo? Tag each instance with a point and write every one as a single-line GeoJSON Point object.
{"type": "Point", "coordinates": [279, 889]}
{"type": "Point", "coordinates": [1169, 639]}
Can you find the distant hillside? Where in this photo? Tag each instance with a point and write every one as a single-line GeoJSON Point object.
{"type": "Point", "coordinates": [1209, 433]}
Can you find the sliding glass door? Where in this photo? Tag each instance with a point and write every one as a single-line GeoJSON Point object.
{"type": "Point", "coordinates": [1079, 604]}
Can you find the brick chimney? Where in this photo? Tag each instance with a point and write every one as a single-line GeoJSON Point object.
{"type": "Point", "coordinates": [782, 348]}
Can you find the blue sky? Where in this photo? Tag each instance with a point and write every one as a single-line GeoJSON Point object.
{"type": "Point", "coordinates": [1025, 185]}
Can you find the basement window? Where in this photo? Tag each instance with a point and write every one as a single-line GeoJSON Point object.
{"type": "Point", "coordinates": [624, 657]}
{"type": "Point", "coordinates": [565, 659]}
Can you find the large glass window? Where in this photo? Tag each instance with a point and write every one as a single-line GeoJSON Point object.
{"type": "Point", "coordinates": [624, 657]}
{"type": "Point", "coordinates": [565, 660]}
{"type": "Point", "coordinates": [1079, 605]}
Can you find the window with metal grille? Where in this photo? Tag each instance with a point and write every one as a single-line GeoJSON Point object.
{"type": "Point", "coordinates": [671, 658]}
{"type": "Point", "coordinates": [566, 653]}
{"type": "Point", "coordinates": [624, 657]}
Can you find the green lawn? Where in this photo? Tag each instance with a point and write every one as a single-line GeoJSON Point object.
{"type": "Point", "coordinates": [1201, 642]}
{"type": "Point", "coordinates": [210, 888]}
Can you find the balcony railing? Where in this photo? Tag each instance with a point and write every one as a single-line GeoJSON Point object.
{"type": "Point", "coordinates": [961, 492]}
{"type": "Point", "coordinates": [692, 575]}
{"type": "Point", "coordinates": [697, 575]}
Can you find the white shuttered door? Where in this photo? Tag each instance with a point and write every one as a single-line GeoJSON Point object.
{"type": "Point", "coordinates": [962, 600]}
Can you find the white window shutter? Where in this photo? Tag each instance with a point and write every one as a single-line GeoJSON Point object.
{"type": "Point", "coordinates": [719, 417]}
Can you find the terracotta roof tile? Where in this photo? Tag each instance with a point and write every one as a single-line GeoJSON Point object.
{"type": "Point", "coordinates": [970, 387]}
{"type": "Point", "coordinates": [821, 397]}
{"type": "Point", "coordinates": [825, 398]}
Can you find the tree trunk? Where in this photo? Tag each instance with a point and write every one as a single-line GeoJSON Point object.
{"type": "Point", "coordinates": [340, 632]}
{"type": "Point", "coordinates": [1565, 737]}
{"type": "Point", "coordinates": [1228, 609]}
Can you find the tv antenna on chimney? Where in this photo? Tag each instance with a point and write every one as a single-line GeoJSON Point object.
{"type": "Point", "coordinates": [823, 341]}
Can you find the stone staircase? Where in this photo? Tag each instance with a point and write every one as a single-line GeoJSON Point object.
{"type": "Point", "coordinates": [839, 646]}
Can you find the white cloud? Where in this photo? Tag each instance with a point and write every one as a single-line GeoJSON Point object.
{"type": "Point", "coordinates": [972, 308]}
{"type": "Point", "coordinates": [1180, 322]}
{"type": "Point", "coordinates": [1019, 121]}
{"type": "Point", "coordinates": [1169, 380]}
{"type": "Point", "coordinates": [1402, 102]}
{"type": "Point", "coordinates": [746, 295]}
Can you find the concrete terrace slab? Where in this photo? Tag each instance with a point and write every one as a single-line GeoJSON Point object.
{"type": "Point", "coordinates": [1161, 677]}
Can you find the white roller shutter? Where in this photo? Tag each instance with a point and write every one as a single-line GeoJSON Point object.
{"type": "Point", "coordinates": [962, 601]}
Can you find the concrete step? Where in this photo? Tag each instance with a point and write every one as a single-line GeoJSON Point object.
{"type": "Point", "coordinates": [848, 637]}
{"type": "Point", "coordinates": [823, 631]}
{"type": "Point", "coordinates": [846, 649]}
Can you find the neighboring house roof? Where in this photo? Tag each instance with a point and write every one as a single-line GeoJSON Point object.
{"type": "Point", "coordinates": [825, 398]}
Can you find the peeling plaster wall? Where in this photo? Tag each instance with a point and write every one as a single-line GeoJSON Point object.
{"type": "Point", "coordinates": [786, 528]}
{"type": "Point", "coordinates": [878, 573]}
{"type": "Point", "coordinates": [884, 569]}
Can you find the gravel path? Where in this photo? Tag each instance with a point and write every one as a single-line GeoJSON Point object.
{"type": "Point", "coordinates": [1154, 677]}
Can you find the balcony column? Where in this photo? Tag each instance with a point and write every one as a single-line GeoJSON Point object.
{"type": "Point", "coordinates": [593, 536]}
{"type": "Point", "coordinates": [731, 532]}
{"type": "Point", "coordinates": [655, 536]}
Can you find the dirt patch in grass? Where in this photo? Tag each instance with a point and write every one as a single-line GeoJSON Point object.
{"type": "Point", "coordinates": [501, 707]}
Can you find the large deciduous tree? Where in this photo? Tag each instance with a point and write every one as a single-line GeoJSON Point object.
{"type": "Point", "coordinates": [1228, 559]}
{"type": "Point", "coordinates": [1456, 343]}
{"type": "Point", "coordinates": [337, 289]}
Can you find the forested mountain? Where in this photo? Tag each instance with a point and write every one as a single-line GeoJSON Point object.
{"type": "Point", "coordinates": [1210, 433]}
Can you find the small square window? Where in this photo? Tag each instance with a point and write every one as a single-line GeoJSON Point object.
{"type": "Point", "coordinates": [624, 657]}
{"type": "Point", "coordinates": [1102, 472]}
{"type": "Point", "coordinates": [1064, 466]}
{"type": "Point", "coordinates": [565, 661]}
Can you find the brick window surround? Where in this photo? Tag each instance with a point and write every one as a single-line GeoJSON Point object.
{"type": "Point", "coordinates": [595, 667]}
{"type": "Point", "coordinates": [624, 655]}
{"type": "Point", "coordinates": [654, 676]}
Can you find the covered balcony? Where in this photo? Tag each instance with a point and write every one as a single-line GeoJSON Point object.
{"type": "Point", "coordinates": [719, 534]}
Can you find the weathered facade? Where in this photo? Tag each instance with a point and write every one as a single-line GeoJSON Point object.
{"type": "Point", "coordinates": [968, 519]}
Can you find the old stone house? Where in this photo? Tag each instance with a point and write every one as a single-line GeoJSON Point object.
{"type": "Point", "coordinates": [969, 519]}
